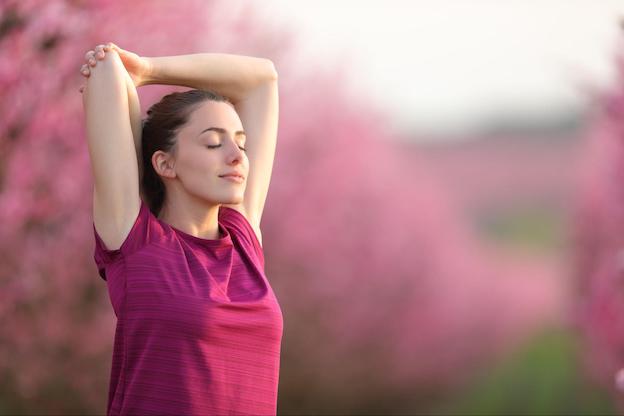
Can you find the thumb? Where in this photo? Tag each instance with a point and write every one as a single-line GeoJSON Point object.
{"type": "Point", "coordinates": [116, 48]}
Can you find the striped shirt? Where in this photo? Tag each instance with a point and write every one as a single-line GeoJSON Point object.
{"type": "Point", "coordinates": [199, 327]}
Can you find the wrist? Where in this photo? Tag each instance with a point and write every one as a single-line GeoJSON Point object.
{"type": "Point", "coordinates": [149, 74]}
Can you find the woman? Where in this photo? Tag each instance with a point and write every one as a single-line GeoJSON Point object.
{"type": "Point", "coordinates": [199, 328]}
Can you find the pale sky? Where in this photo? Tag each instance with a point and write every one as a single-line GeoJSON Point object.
{"type": "Point", "coordinates": [441, 65]}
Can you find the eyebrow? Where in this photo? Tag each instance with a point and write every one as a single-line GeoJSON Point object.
{"type": "Point", "coordinates": [220, 130]}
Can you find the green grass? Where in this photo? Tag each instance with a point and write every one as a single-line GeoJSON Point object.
{"type": "Point", "coordinates": [527, 228]}
{"type": "Point", "coordinates": [542, 377]}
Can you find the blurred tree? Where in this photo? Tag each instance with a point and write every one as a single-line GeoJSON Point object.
{"type": "Point", "coordinates": [599, 238]}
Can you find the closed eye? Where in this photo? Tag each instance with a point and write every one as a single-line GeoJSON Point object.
{"type": "Point", "coordinates": [218, 145]}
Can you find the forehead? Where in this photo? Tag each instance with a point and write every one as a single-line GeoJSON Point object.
{"type": "Point", "coordinates": [217, 114]}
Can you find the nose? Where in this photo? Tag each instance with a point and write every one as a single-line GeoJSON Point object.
{"type": "Point", "coordinates": [235, 152]}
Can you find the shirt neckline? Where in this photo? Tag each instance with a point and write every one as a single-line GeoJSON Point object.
{"type": "Point", "coordinates": [219, 242]}
{"type": "Point", "coordinates": [224, 241]}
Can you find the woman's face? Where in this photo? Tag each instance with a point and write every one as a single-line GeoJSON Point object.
{"type": "Point", "coordinates": [204, 155]}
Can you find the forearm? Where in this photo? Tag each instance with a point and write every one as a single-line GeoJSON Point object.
{"type": "Point", "coordinates": [134, 108]}
{"type": "Point", "coordinates": [129, 94]}
{"type": "Point", "coordinates": [107, 123]}
{"type": "Point", "coordinates": [233, 76]}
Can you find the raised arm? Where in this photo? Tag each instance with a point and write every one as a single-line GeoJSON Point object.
{"type": "Point", "coordinates": [251, 84]}
{"type": "Point", "coordinates": [134, 106]}
{"type": "Point", "coordinates": [112, 150]}
{"type": "Point", "coordinates": [134, 111]}
{"type": "Point", "coordinates": [233, 76]}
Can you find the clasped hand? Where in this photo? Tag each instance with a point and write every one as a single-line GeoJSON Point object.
{"type": "Point", "coordinates": [138, 67]}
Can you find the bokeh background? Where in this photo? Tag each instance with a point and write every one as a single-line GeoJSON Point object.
{"type": "Point", "coordinates": [469, 257]}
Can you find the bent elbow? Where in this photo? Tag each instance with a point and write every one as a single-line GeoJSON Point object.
{"type": "Point", "coordinates": [271, 70]}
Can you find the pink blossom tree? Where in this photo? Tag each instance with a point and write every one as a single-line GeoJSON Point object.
{"type": "Point", "coordinates": [384, 287]}
{"type": "Point", "coordinates": [599, 238]}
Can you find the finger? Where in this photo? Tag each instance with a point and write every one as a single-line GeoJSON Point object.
{"type": "Point", "coordinates": [85, 70]}
{"type": "Point", "coordinates": [90, 57]}
{"type": "Point", "coordinates": [99, 52]}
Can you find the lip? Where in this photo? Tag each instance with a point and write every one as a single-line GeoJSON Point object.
{"type": "Point", "coordinates": [233, 178]}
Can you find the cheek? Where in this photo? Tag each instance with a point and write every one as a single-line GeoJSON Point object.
{"type": "Point", "coordinates": [198, 172]}
{"type": "Point", "coordinates": [200, 162]}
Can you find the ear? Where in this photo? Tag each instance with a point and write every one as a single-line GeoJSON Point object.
{"type": "Point", "coordinates": [163, 164]}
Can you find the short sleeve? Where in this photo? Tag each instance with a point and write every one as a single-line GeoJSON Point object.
{"type": "Point", "coordinates": [242, 228]}
{"type": "Point", "coordinates": [138, 237]}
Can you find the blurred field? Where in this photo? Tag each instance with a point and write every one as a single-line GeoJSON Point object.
{"type": "Point", "coordinates": [518, 192]}
{"type": "Point", "coordinates": [541, 377]}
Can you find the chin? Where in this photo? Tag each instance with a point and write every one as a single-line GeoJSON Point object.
{"type": "Point", "coordinates": [235, 200]}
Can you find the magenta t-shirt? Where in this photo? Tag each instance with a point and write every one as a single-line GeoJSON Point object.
{"type": "Point", "coordinates": [199, 327]}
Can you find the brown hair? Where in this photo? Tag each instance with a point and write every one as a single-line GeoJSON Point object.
{"type": "Point", "coordinates": [160, 128]}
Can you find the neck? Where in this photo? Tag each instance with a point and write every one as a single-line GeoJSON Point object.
{"type": "Point", "coordinates": [193, 216]}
